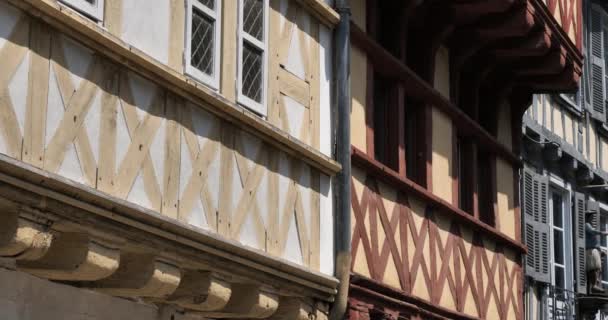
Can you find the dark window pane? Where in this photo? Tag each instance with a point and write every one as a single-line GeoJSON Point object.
{"type": "Point", "coordinates": [252, 72]}
{"type": "Point", "coordinates": [558, 246]}
{"type": "Point", "coordinates": [484, 189]}
{"type": "Point", "coordinates": [201, 55]}
{"type": "Point", "coordinates": [557, 211]}
{"type": "Point", "coordinates": [412, 146]}
{"type": "Point", "coordinates": [603, 221]}
{"type": "Point", "coordinates": [559, 277]}
{"type": "Point", "coordinates": [604, 268]}
{"type": "Point", "coordinates": [385, 122]}
{"type": "Point", "coordinates": [208, 3]}
{"type": "Point", "coordinates": [253, 18]}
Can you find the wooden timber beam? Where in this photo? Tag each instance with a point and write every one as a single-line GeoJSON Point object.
{"type": "Point", "coordinates": [469, 40]}
{"type": "Point", "coordinates": [420, 90]}
{"type": "Point", "coordinates": [361, 286]}
{"type": "Point", "coordinates": [101, 40]}
{"type": "Point", "coordinates": [384, 173]}
{"type": "Point", "coordinates": [537, 43]}
{"type": "Point", "coordinates": [467, 12]}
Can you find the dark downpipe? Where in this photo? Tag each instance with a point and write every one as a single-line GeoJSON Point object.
{"type": "Point", "coordinates": [342, 153]}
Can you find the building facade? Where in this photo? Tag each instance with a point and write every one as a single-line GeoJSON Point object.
{"type": "Point", "coordinates": [437, 102]}
{"type": "Point", "coordinates": [175, 153]}
{"type": "Point", "coordinates": [565, 147]}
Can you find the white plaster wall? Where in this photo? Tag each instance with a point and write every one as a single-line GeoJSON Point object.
{"type": "Point", "coordinates": [145, 25]}
{"type": "Point", "coordinates": [327, 227]}
{"type": "Point", "coordinates": [326, 138]}
{"type": "Point", "coordinates": [325, 75]}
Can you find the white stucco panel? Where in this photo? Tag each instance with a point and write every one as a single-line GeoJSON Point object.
{"type": "Point", "coordinates": [145, 25]}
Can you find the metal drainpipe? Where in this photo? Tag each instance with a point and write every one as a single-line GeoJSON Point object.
{"type": "Point", "coordinates": [342, 234]}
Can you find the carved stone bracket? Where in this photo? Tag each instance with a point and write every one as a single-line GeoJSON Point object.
{"type": "Point", "coordinates": [61, 250]}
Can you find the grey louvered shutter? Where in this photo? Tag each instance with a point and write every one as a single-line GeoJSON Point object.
{"type": "Point", "coordinates": [543, 227]}
{"type": "Point", "coordinates": [536, 225]}
{"type": "Point", "coordinates": [579, 245]}
{"type": "Point", "coordinates": [596, 57]}
{"type": "Point", "coordinates": [529, 223]}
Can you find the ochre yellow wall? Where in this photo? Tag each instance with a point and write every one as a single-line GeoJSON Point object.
{"type": "Point", "coordinates": [358, 13]}
{"type": "Point", "coordinates": [358, 81]}
{"type": "Point", "coordinates": [417, 218]}
{"type": "Point", "coordinates": [358, 84]}
{"type": "Point", "coordinates": [442, 132]}
{"type": "Point", "coordinates": [505, 198]}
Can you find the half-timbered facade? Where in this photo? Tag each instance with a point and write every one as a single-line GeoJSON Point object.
{"type": "Point", "coordinates": [565, 149]}
{"type": "Point", "coordinates": [172, 152]}
{"type": "Point", "coordinates": [438, 93]}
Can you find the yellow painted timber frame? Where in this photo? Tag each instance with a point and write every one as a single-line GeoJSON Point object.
{"type": "Point", "coordinates": [97, 38]}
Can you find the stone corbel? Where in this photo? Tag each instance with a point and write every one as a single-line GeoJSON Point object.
{"type": "Point", "coordinates": [21, 238]}
{"type": "Point", "coordinates": [584, 175]}
{"type": "Point", "coordinates": [569, 166]}
{"type": "Point", "coordinates": [292, 308]}
{"type": "Point", "coordinates": [552, 152]}
{"type": "Point", "coordinates": [201, 291]}
{"type": "Point", "coordinates": [141, 275]}
{"type": "Point", "coordinates": [75, 256]}
{"type": "Point", "coordinates": [247, 301]}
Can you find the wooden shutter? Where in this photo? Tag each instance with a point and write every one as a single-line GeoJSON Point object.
{"type": "Point", "coordinates": [536, 224]}
{"type": "Point", "coordinates": [596, 57]}
{"type": "Point", "coordinates": [579, 244]}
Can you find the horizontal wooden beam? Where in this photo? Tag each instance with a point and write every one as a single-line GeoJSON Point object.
{"type": "Point", "coordinates": [419, 89]}
{"type": "Point", "coordinates": [323, 12]}
{"type": "Point", "coordinates": [363, 288]}
{"type": "Point", "coordinates": [542, 11]}
{"type": "Point", "coordinates": [389, 176]}
{"type": "Point", "coordinates": [101, 40]}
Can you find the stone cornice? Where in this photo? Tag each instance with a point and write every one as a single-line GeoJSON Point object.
{"type": "Point", "coordinates": [61, 230]}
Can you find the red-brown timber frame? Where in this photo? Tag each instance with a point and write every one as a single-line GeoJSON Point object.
{"type": "Point", "coordinates": [362, 160]}
{"type": "Point", "coordinates": [441, 268]}
{"type": "Point", "coordinates": [553, 63]}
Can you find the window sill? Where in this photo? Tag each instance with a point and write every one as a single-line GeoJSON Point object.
{"type": "Point", "coordinates": [99, 39]}
{"type": "Point", "coordinates": [359, 158]}
{"type": "Point", "coordinates": [320, 10]}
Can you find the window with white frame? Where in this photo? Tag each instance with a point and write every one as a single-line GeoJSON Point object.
{"type": "Point", "coordinates": [90, 8]}
{"type": "Point", "coordinates": [559, 296]}
{"type": "Point", "coordinates": [560, 275]}
{"type": "Point", "coordinates": [203, 41]}
{"type": "Point", "coordinates": [253, 35]}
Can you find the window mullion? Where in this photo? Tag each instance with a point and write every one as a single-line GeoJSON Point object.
{"type": "Point", "coordinates": [253, 41]}
{"type": "Point", "coordinates": [206, 10]}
